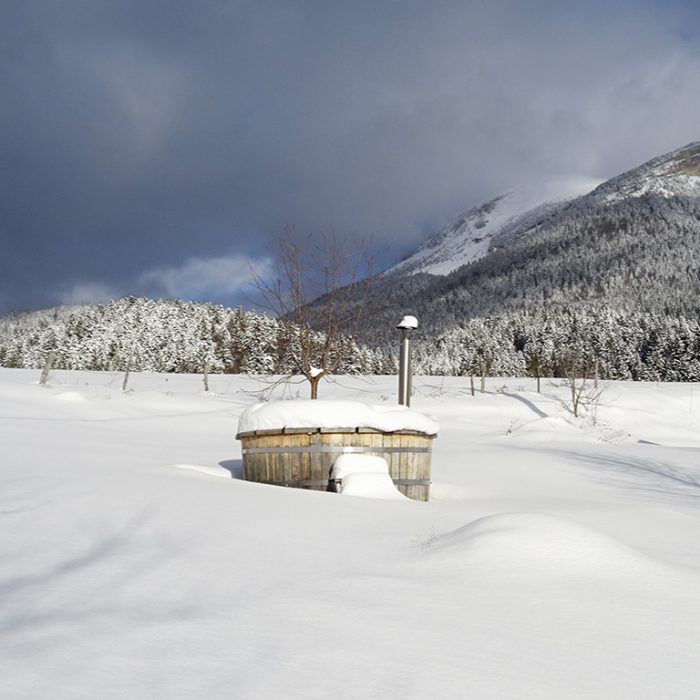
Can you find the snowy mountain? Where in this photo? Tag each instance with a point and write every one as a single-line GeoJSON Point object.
{"type": "Point", "coordinates": [497, 223]}
{"type": "Point", "coordinates": [632, 243]}
{"type": "Point", "coordinates": [492, 224]}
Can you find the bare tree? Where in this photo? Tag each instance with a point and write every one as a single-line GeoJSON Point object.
{"type": "Point", "coordinates": [318, 292]}
{"type": "Point", "coordinates": [534, 367]}
{"type": "Point", "coordinates": [485, 363]}
{"type": "Point", "coordinates": [580, 375]}
{"type": "Point", "coordinates": [129, 366]}
{"type": "Point", "coordinates": [127, 372]}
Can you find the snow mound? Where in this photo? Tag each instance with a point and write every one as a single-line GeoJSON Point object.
{"type": "Point", "coordinates": [535, 543]}
{"type": "Point", "coordinates": [364, 475]}
{"type": "Point", "coordinates": [358, 464]}
{"type": "Point", "coordinates": [70, 396]}
{"type": "Point", "coordinates": [307, 413]}
{"type": "Point", "coordinates": [371, 486]}
{"type": "Point", "coordinates": [219, 472]}
{"type": "Point", "coordinates": [546, 429]}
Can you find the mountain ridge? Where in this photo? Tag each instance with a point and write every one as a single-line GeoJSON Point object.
{"type": "Point", "coordinates": [633, 242]}
{"type": "Point", "coordinates": [477, 230]}
{"type": "Point", "coordinates": [507, 217]}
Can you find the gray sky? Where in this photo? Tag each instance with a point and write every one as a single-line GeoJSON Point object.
{"type": "Point", "coordinates": [159, 148]}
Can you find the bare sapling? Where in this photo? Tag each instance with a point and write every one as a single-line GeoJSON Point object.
{"type": "Point", "coordinates": [595, 373]}
{"type": "Point", "coordinates": [125, 382]}
{"type": "Point", "coordinates": [485, 368]}
{"type": "Point", "coordinates": [538, 353]}
{"type": "Point", "coordinates": [534, 367]}
{"type": "Point", "coordinates": [319, 292]}
{"type": "Point", "coordinates": [582, 383]}
{"type": "Point", "coordinates": [469, 365]}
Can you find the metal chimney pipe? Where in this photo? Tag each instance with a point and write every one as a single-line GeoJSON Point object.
{"type": "Point", "coordinates": [405, 370]}
{"type": "Point", "coordinates": [408, 324]}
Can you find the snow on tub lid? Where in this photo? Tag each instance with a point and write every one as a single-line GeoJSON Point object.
{"type": "Point", "coordinates": [308, 413]}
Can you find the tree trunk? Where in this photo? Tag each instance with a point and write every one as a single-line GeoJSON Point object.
{"type": "Point", "coordinates": [538, 383]}
{"type": "Point", "coordinates": [595, 373]}
{"type": "Point", "coordinates": [314, 386]}
{"type": "Point", "coordinates": [471, 383]}
{"type": "Point", "coordinates": [125, 383]}
{"type": "Point", "coordinates": [47, 368]}
{"type": "Point", "coordinates": [205, 378]}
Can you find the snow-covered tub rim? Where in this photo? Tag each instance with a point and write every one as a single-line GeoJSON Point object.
{"type": "Point", "coordinates": [314, 415]}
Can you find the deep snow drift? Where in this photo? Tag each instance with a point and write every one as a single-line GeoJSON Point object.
{"type": "Point", "coordinates": [557, 559]}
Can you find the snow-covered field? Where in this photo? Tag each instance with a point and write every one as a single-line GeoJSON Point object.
{"type": "Point", "coordinates": [558, 558]}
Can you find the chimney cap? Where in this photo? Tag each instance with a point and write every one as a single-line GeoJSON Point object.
{"type": "Point", "coordinates": [408, 323]}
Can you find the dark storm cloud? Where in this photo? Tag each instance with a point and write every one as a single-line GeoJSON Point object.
{"type": "Point", "coordinates": [147, 143]}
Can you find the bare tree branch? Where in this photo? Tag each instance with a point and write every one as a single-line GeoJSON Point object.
{"type": "Point", "coordinates": [310, 293]}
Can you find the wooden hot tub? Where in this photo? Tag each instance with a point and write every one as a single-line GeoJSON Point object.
{"type": "Point", "coordinates": [294, 442]}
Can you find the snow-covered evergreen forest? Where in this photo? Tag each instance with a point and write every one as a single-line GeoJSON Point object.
{"type": "Point", "coordinates": [177, 336]}
{"type": "Point", "coordinates": [160, 336]}
{"type": "Point", "coordinates": [568, 341]}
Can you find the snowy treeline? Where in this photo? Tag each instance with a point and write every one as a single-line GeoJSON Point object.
{"type": "Point", "coordinates": [177, 336]}
{"type": "Point", "coordinates": [159, 336]}
{"type": "Point", "coordinates": [566, 341]}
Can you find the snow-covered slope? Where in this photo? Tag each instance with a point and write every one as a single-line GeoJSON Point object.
{"type": "Point", "coordinates": [476, 230]}
{"type": "Point", "coordinates": [675, 174]}
{"type": "Point", "coordinates": [509, 216]}
{"type": "Point", "coordinates": [557, 559]}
